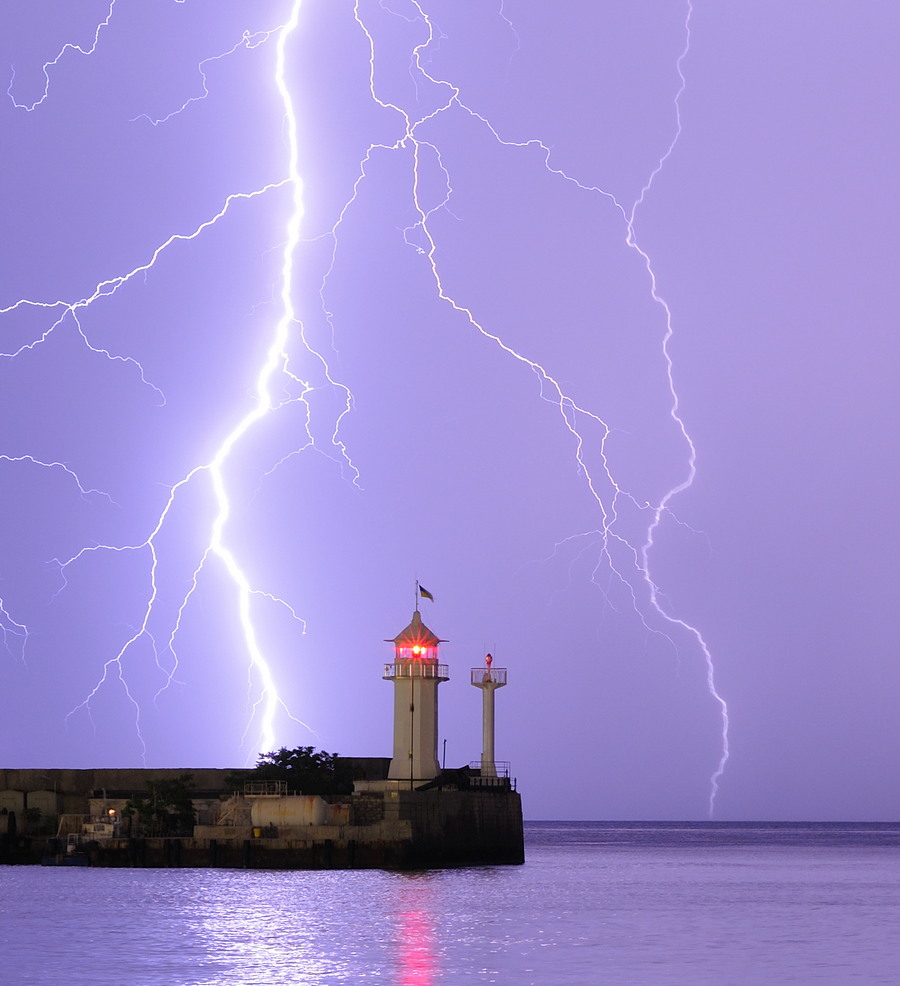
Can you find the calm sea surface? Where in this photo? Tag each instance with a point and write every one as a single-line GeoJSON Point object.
{"type": "Point", "coordinates": [595, 903]}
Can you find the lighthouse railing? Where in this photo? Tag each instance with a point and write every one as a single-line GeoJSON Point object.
{"type": "Point", "coordinates": [415, 669]}
{"type": "Point", "coordinates": [500, 767]}
{"type": "Point", "coordinates": [494, 776]}
{"type": "Point", "coordinates": [484, 676]}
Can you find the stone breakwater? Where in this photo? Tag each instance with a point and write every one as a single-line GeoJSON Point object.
{"type": "Point", "coordinates": [382, 824]}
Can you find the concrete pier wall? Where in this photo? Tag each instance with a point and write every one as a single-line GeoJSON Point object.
{"type": "Point", "coordinates": [73, 787]}
{"type": "Point", "coordinates": [381, 826]}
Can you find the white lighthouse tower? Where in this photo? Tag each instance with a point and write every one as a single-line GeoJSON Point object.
{"type": "Point", "coordinates": [416, 675]}
{"type": "Point", "coordinates": [488, 679]}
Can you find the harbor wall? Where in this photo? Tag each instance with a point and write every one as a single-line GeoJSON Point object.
{"type": "Point", "coordinates": [73, 788]}
{"type": "Point", "coordinates": [379, 826]}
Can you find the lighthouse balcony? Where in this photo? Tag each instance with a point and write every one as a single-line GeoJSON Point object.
{"type": "Point", "coordinates": [489, 676]}
{"type": "Point", "coordinates": [416, 669]}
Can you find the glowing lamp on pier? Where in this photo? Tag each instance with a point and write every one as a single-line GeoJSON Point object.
{"type": "Point", "coordinates": [416, 673]}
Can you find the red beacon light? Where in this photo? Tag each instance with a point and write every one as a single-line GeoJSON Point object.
{"type": "Point", "coordinates": [419, 652]}
{"type": "Point", "coordinates": [416, 643]}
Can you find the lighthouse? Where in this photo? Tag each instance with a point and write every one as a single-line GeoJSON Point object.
{"type": "Point", "coordinates": [488, 679]}
{"type": "Point", "coordinates": [416, 674]}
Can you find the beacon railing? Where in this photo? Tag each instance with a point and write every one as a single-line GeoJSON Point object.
{"type": "Point", "coordinates": [483, 676]}
{"type": "Point", "coordinates": [498, 778]}
{"type": "Point", "coordinates": [501, 767]}
{"type": "Point", "coordinates": [415, 669]}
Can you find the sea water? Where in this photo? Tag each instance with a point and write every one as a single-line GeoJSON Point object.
{"type": "Point", "coordinates": [595, 903]}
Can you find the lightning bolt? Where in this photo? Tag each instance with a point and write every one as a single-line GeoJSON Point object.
{"type": "Point", "coordinates": [277, 385]}
{"type": "Point", "coordinates": [275, 370]}
{"type": "Point", "coordinates": [574, 417]}
{"type": "Point", "coordinates": [663, 506]}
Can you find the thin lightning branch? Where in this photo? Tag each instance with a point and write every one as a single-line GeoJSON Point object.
{"type": "Point", "coordinates": [573, 415]}
{"type": "Point", "coordinates": [12, 628]}
{"type": "Point", "coordinates": [9, 627]}
{"type": "Point", "coordinates": [249, 40]}
{"type": "Point", "coordinates": [57, 465]}
{"type": "Point", "coordinates": [113, 668]}
{"type": "Point", "coordinates": [109, 287]}
{"type": "Point", "coordinates": [512, 29]}
{"type": "Point", "coordinates": [29, 107]}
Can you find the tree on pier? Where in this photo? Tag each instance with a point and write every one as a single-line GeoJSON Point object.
{"type": "Point", "coordinates": [303, 769]}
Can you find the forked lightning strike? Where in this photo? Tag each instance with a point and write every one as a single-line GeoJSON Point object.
{"type": "Point", "coordinates": [550, 388]}
{"type": "Point", "coordinates": [587, 431]}
{"type": "Point", "coordinates": [265, 699]}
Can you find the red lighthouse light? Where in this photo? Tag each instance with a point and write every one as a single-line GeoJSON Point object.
{"type": "Point", "coordinates": [416, 643]}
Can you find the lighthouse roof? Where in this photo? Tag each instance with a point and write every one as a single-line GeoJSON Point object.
{"type": "Point", "coordinates": [415, 635]}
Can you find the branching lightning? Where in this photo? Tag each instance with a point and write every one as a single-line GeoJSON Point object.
{"type": "Point", "coordinates": [638, 581]}
{"type": "Point", "coordinates": [585, 429]}
{"type": "Point", "coordinates": [264, 693]}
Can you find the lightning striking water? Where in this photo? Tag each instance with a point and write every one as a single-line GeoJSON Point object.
{"type": "Point", "coordinates": [277, 386]}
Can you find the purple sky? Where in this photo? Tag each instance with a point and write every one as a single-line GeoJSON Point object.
{"type": "Point", "coordinates": [770, 230]}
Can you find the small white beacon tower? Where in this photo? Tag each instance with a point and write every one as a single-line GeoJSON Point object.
{"type": "Point", "coordinates": [488, 679]}
{"type": "Point", "coordinates": [416, 675]}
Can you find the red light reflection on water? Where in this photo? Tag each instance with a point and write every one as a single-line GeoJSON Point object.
{"type": "Point", "coordinates": [417, 959]}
